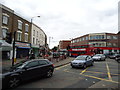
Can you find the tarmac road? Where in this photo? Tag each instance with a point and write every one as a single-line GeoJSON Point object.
{"type": "Point", "coordinates": [104, 74]}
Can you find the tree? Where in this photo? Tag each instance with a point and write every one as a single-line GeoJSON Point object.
{"type": "Point", "coordinates": [54, 48]}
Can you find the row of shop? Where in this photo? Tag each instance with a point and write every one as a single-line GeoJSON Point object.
{"type": "Point", "coordinates": [22, 50]}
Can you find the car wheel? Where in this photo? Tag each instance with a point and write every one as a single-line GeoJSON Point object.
{"type": "Point", "coordinates": [84, 66]}
{"type": "Point", "coordinates": [14, 82]}
{"type": "Point", "coordinates": [49, 73]}
{"type": "Point", "coordinates": [92, 64]}
{"type": "Point", "coordinates": [118, 61]}
{"type": "Point", "coordinates": [72, 66]}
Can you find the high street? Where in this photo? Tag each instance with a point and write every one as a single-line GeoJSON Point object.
{"type": "Point", "coordinates": [104, 74]}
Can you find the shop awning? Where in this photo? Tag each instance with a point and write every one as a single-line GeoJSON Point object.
{"type": "Point", "coordinates": [5, 46]}
{"type": "Point", "coordinates": [36, 47]}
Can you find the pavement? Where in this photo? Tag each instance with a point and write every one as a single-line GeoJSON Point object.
{"type": "Point", "coordinates": [56, 62]}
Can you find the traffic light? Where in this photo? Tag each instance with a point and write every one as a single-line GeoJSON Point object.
{"type": "Point", "coordinates": [8, 38]}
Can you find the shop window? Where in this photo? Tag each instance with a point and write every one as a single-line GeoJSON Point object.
{"type": "Point", "coordinates": [5, 19]}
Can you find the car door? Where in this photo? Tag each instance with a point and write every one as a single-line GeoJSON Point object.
{"type": "Point", "coordinates": [44, 67]}
{"type": "Point", "coordinates": [30, 70]}
{"type": "Point", "coordinates": [103, 57]}
{"type": "Point", "coordinates": [89, 60]}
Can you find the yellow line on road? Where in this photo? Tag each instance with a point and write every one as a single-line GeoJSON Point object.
{"type": "Point", "coordinates": [101, 72]}
{"type": "Point", "coordinates": [83, 71]}
{"type": "Point", "coordinates": [94, 77]}
{"type": "Point", "coordinates": [108, 72]}
{"type": "Point", "coordinates": [100, 78]}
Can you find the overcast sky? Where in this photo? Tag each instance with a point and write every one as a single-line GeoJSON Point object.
{"type": "Point", "coordinates": [66, 19]}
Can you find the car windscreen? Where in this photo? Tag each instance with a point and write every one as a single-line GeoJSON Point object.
{"type": "Point", "coordinates": [81, 58]}
{"type": "Point", "coordinates": [17, 65]}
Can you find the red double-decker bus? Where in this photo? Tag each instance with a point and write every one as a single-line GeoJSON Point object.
{"type": "Point", "coordinates": [76, 50]}
{"type": "Point", "coordinates": [81, 50]}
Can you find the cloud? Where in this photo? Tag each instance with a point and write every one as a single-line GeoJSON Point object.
{"type": "Point", "coordinates": [65, 19]}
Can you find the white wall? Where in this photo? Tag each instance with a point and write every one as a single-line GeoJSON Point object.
{"type": "Point", "coordinates": [41, 35]}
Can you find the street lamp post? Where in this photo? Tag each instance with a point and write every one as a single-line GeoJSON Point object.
{"type": "Point", "coordinates": [31, 31]}
{"type": "Point", "coordinates": [32, 18]}
{"type": "Point", "coordinates": [49, 40]}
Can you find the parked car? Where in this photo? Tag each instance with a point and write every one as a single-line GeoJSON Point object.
{"type": "Point", "coordinates": [99, 57]}
{"type": "Point", "coordinates": [113, 56]}
{"type": "Point", "coordinates": [82, 61]}
{"type": "Point", "coordinates": [26, 70]}
{"type": "Point", "coordinates": [108, 54]}
{"type": "Point", "coordinates": [117, 58]}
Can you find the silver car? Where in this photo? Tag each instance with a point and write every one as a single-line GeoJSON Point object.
{"type": "Point", "coordinates": [99, 57]}
{"type": "Point", "coordinates": [82, 61]}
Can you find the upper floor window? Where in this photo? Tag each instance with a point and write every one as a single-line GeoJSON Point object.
{"type": "Point", "coordinates": [33, 40]}
{"type": "Point", "coordinates": [83, 39]}
{"type": "Point", "coordinates": [114, 37]}
{"type": "Point", "coordinates": [114, 44]}
{"type": "Point", "coordinates": [37, 33]}
{"type": "Point", "coordinates": [26, 37]}
{"type": "Point", "coordinates": [5, 19]}
{"type": "Point", "coordinates": [33, 32]}
{"type": "Point", "coordinates": [36, 41]}
{"type": "Point", "coordinates": [109, 44]}
{"type": "Point", "coordinates": [77, 40]}
{"type": "Point", "coordinates": [108, 37]}
{"type": "Point", "coordinates": [86, 37]}
{"type": "Point", "coordinates": [4, 31]}
{"type": "Point", "coordinates": [26, 27]}
{"type": "Point", "coordinates": [19, 36]}
{"type": "Point", "coordinates": [20, 24]}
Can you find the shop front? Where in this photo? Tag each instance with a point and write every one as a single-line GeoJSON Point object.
{"type": "Point", "coordinates": [22, 49]}
{"type": "Point", "coordinates": [35, 50]}
{"type": "Point", "coordinates": [6, 49]}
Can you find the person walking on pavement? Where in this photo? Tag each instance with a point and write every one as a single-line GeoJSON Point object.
{"type": "Point", "coordinates": [32, 56]}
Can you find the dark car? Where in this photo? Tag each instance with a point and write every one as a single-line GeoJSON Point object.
{"type": "Point", "coordinates": [117, 58]}
{"type": "Point", "coordinates": [82, 61]}
{"type": "Point", "coordinates": [26, 70]}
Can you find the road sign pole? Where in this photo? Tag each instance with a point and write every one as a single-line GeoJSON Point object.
{"type": "Point", "coordinates": [13, 48]}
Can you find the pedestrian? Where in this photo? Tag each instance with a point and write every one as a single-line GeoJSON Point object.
{"type": "Point", "coordinates": [32, 56]}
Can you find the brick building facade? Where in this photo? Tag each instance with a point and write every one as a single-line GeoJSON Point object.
{"type": "Point", "coordinates": [97, 39]}
{"type": "Point", "coordinates": [12, 22]}
{"type": "Point", "coordinates": [64, 44]}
